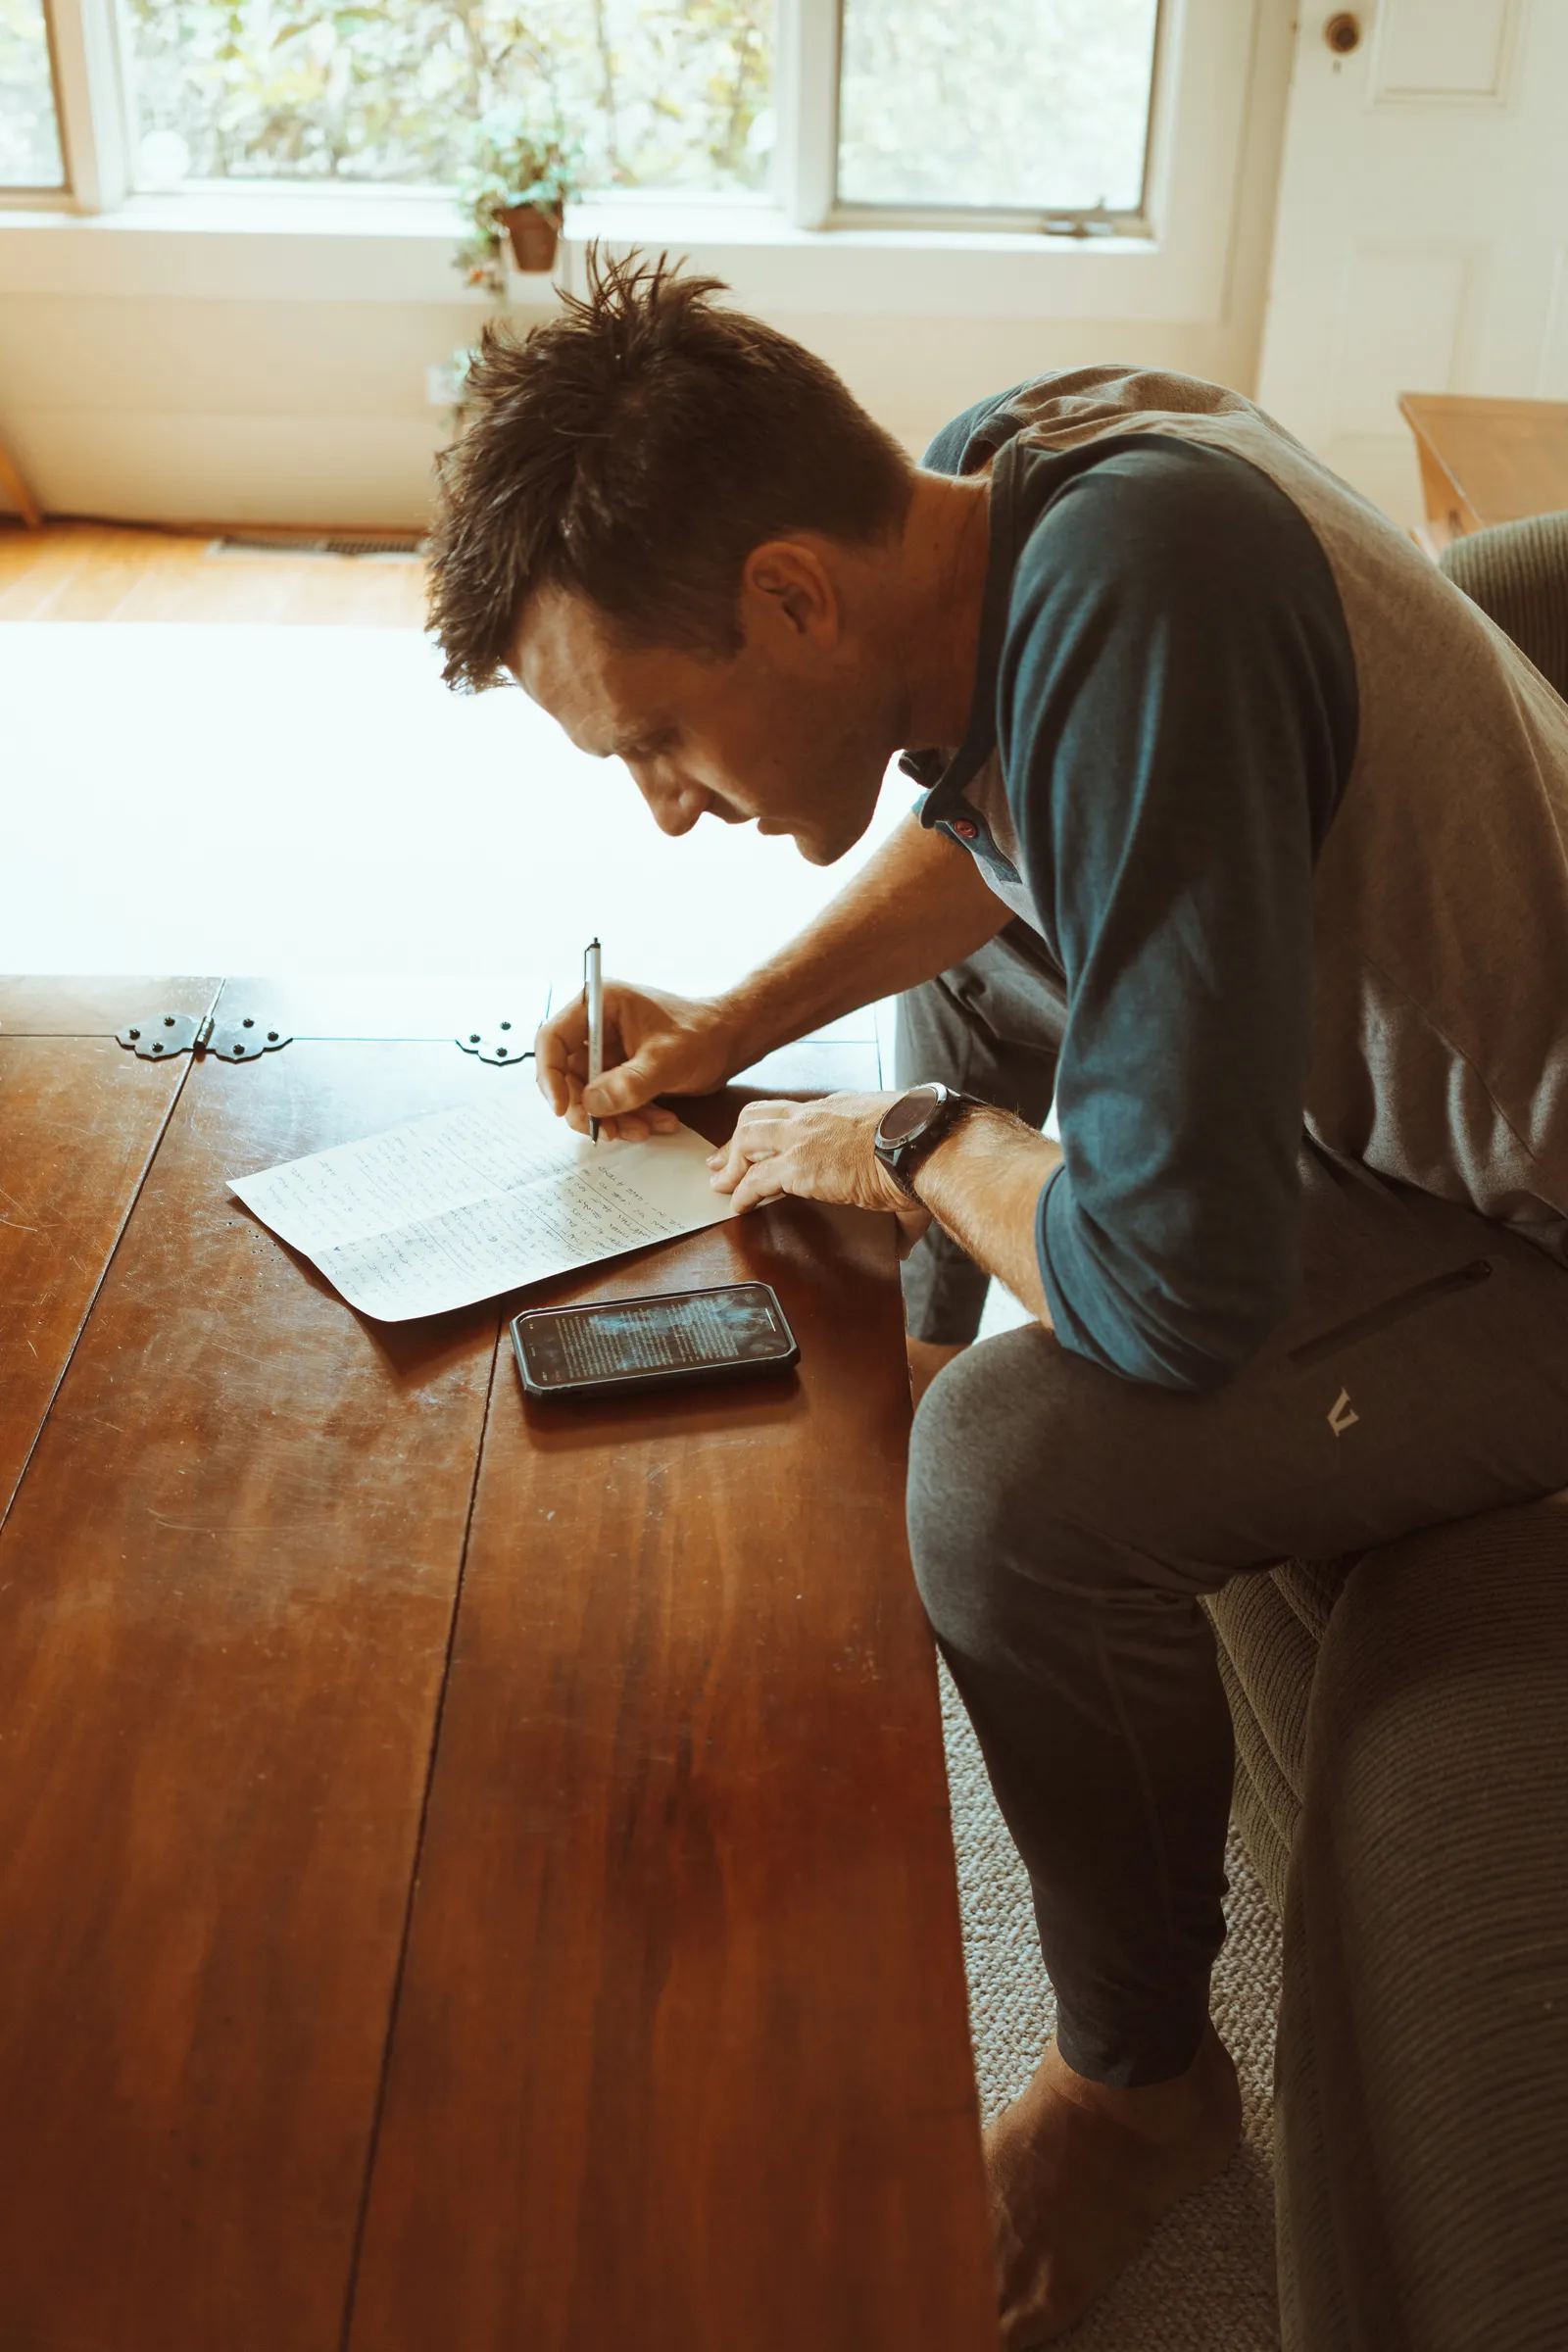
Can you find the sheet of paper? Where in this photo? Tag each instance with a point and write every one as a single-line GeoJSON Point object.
{"type": "Point", "coordinates": [469, 1203]}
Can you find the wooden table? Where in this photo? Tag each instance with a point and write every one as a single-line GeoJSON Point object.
{"type": "Point", "coordinates": [1486, 461]}
{"type": "Point", "coordinates": [469, 1878]}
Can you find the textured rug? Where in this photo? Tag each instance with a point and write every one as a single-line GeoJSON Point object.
{"type": "Point", "coordinates": [1205, 2280]}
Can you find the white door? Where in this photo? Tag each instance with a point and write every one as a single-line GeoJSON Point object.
{"type": "Point", "coordinates": [1422, 235]}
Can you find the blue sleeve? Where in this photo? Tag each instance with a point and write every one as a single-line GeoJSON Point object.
{"type": "Point", "coordinates": [1177, 716]}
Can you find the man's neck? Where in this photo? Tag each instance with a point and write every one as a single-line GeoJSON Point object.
{"type": "Point", "coordinates": [939, 584]}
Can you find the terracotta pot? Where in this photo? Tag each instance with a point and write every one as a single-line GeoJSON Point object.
{"type": "Point", "coordinates": [533, 234]}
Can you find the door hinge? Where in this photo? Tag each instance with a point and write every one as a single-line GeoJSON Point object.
{"type": "Point", "coordinates": [500, 1042]}
{"type": "Point", "coordinates": [240, 1036]}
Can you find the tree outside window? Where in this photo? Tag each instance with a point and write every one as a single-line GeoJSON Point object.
{"type": "Point", "coordinates": [661, 95]}
{"type": "Point", "coordinates": [30, 135]}
{"type": "Point", "coordinates": [1005, 105]}
{"type": "Point", "coordinates": [991, 105]}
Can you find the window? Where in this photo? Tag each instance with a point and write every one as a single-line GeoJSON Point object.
{"type": "Point", "coordinates": [1018, 114]}
{"type": "Point", "coordinates": [1014, 107]}
{"type": "Point", "coordinates": [996, 104]}
{"type": "Point", "coordinates": [29, 132]}
{"type": "Point", "coordinates": [662, 94]}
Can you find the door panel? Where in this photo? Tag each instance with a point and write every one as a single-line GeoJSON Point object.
{"type": "Point", "coordinates": [1422, 227]}
{"type": "Point", "coordinates": [1443, 49]}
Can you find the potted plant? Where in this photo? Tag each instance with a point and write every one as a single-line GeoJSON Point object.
{"type": "Point", "coordinates": [521, 169]}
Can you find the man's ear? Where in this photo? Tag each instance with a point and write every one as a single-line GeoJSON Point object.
{"type": "Point", "coordinates": [795, 584]}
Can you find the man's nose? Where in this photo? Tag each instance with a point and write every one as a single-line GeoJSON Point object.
{"type": "Point", "coordinates": [677, 807]}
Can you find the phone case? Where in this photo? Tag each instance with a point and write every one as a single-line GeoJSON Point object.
{"type": "Point", "coordinates": [638, 1383]}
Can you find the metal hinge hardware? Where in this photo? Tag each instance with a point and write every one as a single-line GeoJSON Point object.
{"type": "Point", "coordinates": [499, 1041]}
{"type": "Point", "coordinates": [159, 1036]}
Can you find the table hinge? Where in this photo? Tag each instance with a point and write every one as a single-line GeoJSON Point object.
{"type": "Point", "coordinates": [497, 1041]}
{"type": "Point", "coordinates": [238, 1037]}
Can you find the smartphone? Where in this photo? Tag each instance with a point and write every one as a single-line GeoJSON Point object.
{"type": "Point", "coordinates": [735, 1331]}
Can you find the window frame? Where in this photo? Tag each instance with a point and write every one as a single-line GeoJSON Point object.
{"type": "Point", "coordinates": [795, 247]}
{"type": "Point", "coordinates": [94, 106]}
{"type": "Point", "coordinates": [815, 31]}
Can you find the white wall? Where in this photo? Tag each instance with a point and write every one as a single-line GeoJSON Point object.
{"type": "Point", "coordinates": [1422, 238]}
{"type": "Point", "coordinates": [159, 393]}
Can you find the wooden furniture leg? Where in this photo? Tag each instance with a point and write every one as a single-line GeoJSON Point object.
{"type": "Point", "coordinates": [16, 489]}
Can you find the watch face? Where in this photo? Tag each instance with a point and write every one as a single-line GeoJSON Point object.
{"type": "Point", "coordinates": [909, 1114]}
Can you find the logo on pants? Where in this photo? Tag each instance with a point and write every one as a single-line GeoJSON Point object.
{"type": "Point", "coordinates": [1343, 1414]}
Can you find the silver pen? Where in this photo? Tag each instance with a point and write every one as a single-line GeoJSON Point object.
{"type": "Point", "coordinates": [594, 988]}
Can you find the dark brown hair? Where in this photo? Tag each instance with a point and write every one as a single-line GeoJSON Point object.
{"type": "Point", "coordinates": [634, 451]}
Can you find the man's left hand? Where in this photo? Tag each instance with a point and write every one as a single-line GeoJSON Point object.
{"type": "Point", "coordinates": [818, 1152]}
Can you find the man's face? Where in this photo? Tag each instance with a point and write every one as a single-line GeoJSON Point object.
{"type": "Point", "coordinates": [793, 732]}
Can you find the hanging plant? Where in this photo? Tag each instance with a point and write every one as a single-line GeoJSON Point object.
{"type": "Point", "coordinates": [521, 170]}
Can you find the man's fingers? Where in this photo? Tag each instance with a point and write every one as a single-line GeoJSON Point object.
{"type": "Point", "coordinates": [559, 1043]}
{"type": "Point", "coordinates": [759, 1134]}
{"type": "Point", "coordinates": [732, 1160]}
{"type": "Point", "coordinates": [758, 1184]}
{"type": "Point", "coordinates": [731, 1164]}
{"type": "Point", "coordinates": [632, 1127]}
{"type": "Point", "coordinates": [726, 1168]}
{"type": "Point", "coordinates": [760, 1126]}
{"type": "Point", "coordinates": [628, 1086]}
{"type": "Point", "coordinates": [550, 1071]}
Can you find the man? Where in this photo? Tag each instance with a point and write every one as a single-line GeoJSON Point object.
{"type": "Point", "coordinates": [1243, 838]}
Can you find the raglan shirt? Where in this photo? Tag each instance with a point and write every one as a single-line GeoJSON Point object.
{"type": "Point", "coordinates": [1166, 674]}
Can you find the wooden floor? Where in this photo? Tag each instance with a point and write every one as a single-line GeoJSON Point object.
{"type": "Point", "coordinates": [108, 572]}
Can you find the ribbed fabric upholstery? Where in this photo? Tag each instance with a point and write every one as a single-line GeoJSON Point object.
{"type": "Point", "coordinates": [1403, 1788]}
{"type": "Point", "coordinates": [1264, 1805]}
{"type": "Point", "coordinates": [1518, 573]}
{"type": "Point", "coordinates": [1422, 2126]}
{"type": "Point", "coordinates": [1400, 1724]}
{"type": "Point", "coordinates": [1269, 1627]}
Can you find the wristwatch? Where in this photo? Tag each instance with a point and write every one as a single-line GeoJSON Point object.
{"type": "Point", "coordinates": [914, 1125]}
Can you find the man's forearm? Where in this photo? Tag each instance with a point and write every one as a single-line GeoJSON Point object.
{"type": "Point", "coordinates": [982, 1184]}
{"type": "Point", "coordinates": [915, 909]}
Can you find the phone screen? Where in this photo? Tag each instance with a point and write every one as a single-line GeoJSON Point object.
{"type": "Point", "coordinates": [632, 1342]}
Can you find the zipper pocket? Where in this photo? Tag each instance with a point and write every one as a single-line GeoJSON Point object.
{"type": "Point", "coordinates": [1392, 1310]}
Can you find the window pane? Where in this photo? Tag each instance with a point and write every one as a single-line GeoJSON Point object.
{"type": "Point", "coordinates": [1037, 103]}
{"type": "Point", "coordinates": [29, 137]}
{"type": "Point", "coordinates": [663, 93]}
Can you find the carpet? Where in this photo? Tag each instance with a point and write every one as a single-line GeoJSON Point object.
{"type": "Point", "coordinates": [1205, 2280]}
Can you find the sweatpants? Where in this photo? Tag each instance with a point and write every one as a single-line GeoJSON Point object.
{"type": "Point", "coordinates": [1064, 1522]}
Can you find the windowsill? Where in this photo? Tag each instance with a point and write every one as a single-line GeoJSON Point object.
{"type": "Point", "coordinates": [267, 209]}
{"type": "Point", "coordinates": [760, 225]}
{"type": "Point", "coordinates": [260, 209]}
{"type": "Point", "coordinates": [364, 244]}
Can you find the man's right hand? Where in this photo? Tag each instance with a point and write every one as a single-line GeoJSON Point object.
{"type": "Point", "coordinates": [655, 1044]}
{"type": "Point", "coordinates": [916, 908]}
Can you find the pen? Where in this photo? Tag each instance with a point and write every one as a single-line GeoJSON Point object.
{"type": "Point", "coordinates": [594, 988]}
